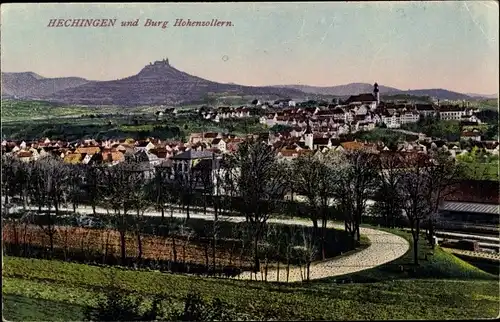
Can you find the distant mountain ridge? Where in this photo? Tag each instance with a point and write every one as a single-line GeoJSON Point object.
{"type": "Point", "coordinates": [488, 96]}
{"type": "Point", "coordinates": [359, 88]}
{"type": "Point", "coordinates": [161, 83]}
{"type": "Point", "coordinates": [32, 85]}
{"type": "Point", "coordinates": [341, 90]}
{"type": "Point", "coordinates": [156, 83]}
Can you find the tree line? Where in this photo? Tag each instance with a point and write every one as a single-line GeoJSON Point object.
{"type": "Point", "coordinates": [253, 182]}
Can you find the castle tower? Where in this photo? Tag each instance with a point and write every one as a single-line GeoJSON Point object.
{"type": "Point", "coordinates": [308, 136]}
{"type": "Point", "coordinates": [376, 92]}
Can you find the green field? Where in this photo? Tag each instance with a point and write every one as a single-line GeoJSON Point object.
{"type": "Point", "coordinates": [28, 120]}
{"type": "Point", "coordinates": [443, 287]}
{"type": "Point", "coordinates": [14, 110]}
{"type": "Point", "coordinates": [481, 171]}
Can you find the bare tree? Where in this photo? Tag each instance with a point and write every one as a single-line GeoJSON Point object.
{"type": "Point", "coordinates": [49, 185]}
{"type": "Point", "coordinates": [221, 187]}
{"type": "Point", "coordinates": [9, 164]}
{"type": "Point", "coordinates": [92, 185]}
{"type": "Point", "coordinates": [118, 188]}
{"type": "Point", "coordinates": [356, 180]}
{"type": "Point", "coordinates": [162, 192]}
{"type": "Point", "coordinates": [75, 184]}
{"type": "Point", "coordinates": [259, 186]}
{"type": "Point", "coordinates": [15, 179]}
{"type": "Point", "coordinates": [423, 185]}
{"type": "Point", "coordinates": [314, 179]}
{"type": "Point", "coordinates": [388, 200]}
{"type": "Point", "coordinates": [141, 189]}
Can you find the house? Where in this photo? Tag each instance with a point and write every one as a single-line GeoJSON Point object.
{"type": "Point", "coordinates": [409, 117]}
{"type": "Point", "coordinates": [112, 157]}
{"type": "Point", "coordinates": [88, 150]}
{"type": "Point", "coordinates": [392, 121]}
{"type": "Point", "coordinates": [210, 136]}
{"type": "Point", "coordinates": [320, 143]}
{"type": "Point", "coordinates": [170, 111]}
{"type": "Point", "coordinates": [426, 110]}
{"type": "Point", "coordinates": [361, 110]}
{"type": "Point", "coordinates": [492, 147]}
{"type": "Point", "coordinates": [367, 98]}
{"type": "Point", "coordinates": [35, 155]}
{"type": "Point", "coordinates": [364, 126]}
{"type": "Point", "coordinates": [195, 138]}
{"type": "Point", "coordinates": [474, 135]}
{"type": "Point", "coordinates": [143, 146]}
{"type": "Point", "coordinates": [352, 145]}
{"type": "Point", "coordinates": [470, 119]}
{"type": "Point", "coordinates": [147, 157]}
{"type": "Point", "coordinates": [290, 154]}
{"type": "Point", "coordinates": [24, 156]}
{"type": "Point", "coordinates": [220, 144]}
{"type": "Point", "coordinates": [162, 153]}
{"type": "Point", "coordinates": [196, 168]}
{"type": "Point", "coordinates": [184, 161]}
{"type": "Point", "coordinates": [451, 112]}
{"type": "Point", "coordinates": [74, 158]}
{"type": "Point", "coordinates": [242, 112]}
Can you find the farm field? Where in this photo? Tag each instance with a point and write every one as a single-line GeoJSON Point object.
{"type": "Point", "coordinates": [106, 243]}
{"type": "Point", "coordinates": [14, 110]}
{"type": "Point", "coordinates": [28, 120]}
{"type": "Point", "coordinates": [443, 287]}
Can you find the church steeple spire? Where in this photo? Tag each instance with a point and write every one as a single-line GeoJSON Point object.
{"type": "Point", "coordinates": [376, 93]}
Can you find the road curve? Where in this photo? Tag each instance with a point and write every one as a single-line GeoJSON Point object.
{"type": "Point", "coordinates": [384, 247]}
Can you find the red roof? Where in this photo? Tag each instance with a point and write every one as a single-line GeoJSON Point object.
{"type": "Point", "coordinates": [478, 191]}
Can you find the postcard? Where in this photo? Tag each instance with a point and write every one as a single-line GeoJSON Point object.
{"type": "Point", "coordinates": [250, 161]}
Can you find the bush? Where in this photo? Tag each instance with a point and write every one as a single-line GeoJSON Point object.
{"type": "Point", "coordinates": [116, 306]}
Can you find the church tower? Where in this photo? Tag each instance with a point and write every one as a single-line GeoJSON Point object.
{"type": "Point", "coordinates": [308, 136]}
{"type": "Point", "coordinates": [376, 93]}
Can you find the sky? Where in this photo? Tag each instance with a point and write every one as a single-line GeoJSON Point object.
{"type": "Point", "coordinates": [408, 45]}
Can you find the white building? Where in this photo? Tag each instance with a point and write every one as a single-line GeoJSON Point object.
{"type": "Point", "coordinates": [448, 113]}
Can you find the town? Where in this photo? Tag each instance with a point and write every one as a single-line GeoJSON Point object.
{"type": "Point", "coordinates": [295, 129]}
{"type": "Point", "coordinates": [308, 162]}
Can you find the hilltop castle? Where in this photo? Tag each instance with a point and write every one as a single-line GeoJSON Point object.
{"type": "Point", "coordinates": [160, 62]}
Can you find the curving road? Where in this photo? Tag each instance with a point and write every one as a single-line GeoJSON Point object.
{"type": "Point", "coordinates": [385, 247]}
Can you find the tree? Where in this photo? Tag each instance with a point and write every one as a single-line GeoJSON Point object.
{"type": "Point", "coordinates": [279, 128]}
{"type": "Point", "coordinates": [15, 179]}
{"type": "Point", "coordinates": [161, 189]}
{"type": "Point", "coordinates": [221, 186]}
{"type": "Point", "coordinates": [118, 187]}
{"type": "Point", "coordinates": [141, 189]}
{"type": "Point", "coordinates": [388, 200]}
{"type": "Point", "coordinates": [75, 184]}
{"type": "Point", "coordinates": [423, 184]}
{"type": "Point", "coordinates": [49, 186]}
{"type": "Point", "coordinates": [356, 178]}
{"type": "Point", "coordinates": [185, 184]}
{"type": "Point", "coordinates": [314, 180]}
{"type": "Point", "coordinates": [259, 185]}
{"type": "Point", "coordinates": [92, 185]}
